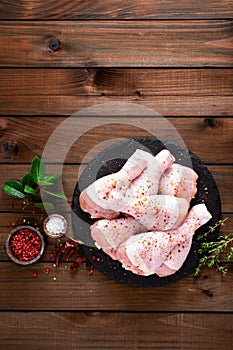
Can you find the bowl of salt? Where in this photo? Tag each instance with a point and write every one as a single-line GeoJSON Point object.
{"type": "Point", "coordinates": [55, 226]}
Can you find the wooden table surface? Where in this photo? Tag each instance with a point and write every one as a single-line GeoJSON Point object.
{"type": "Point", "coordinates": [58, 57]}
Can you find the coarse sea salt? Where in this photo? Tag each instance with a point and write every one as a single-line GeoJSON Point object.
{"type": "Point", "coordinates": [55, 225]}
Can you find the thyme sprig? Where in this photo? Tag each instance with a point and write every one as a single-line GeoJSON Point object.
{"type": "Point", "coordinates": [212, 229]}
{"type": "Point", "coordinates": [210, 251]}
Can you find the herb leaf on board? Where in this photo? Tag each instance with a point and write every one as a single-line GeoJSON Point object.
{"type": "Point", "coordinates": [37, 170]}
{"type": "Point", "coordinates": [13, 188]}
{"type": "Point", "coordinates": [210, 251]}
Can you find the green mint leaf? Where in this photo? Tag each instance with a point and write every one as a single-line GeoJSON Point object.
{"type": "Point", "coordinates": [13, 188]}
{"type": "Point", "coordinates": [56, 194]}
{"type": "Point", "coordinates": [45, 205]}
{"type": "Point", "coordinates": [37, 169]}
{"type": "Point", "coordinates": [28, 180]}
{"type": "Point", "coordinates": [29, 189]}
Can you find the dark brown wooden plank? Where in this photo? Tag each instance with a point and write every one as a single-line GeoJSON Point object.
{"type": "Point", "coordinates": [49, 82]}
{"type": "Point", "coordinates": [151, 82]}
{"type": "Point", "coordinates": [122, 9]}
{"type": "Point", "coordinates": [165, 105]}
{"type": "Point", "coordinates": [116, 44]}
{"type": "Point", "coordinates": [19, 290]}
{"type": "Point", "coordinates": [29, 135]}
{"type": "Point", "coordinates": [102, 330]}
{"type": "Point", "coordinates": [222, 174]}
{"type": "Point", "coordinates": [116, 82]}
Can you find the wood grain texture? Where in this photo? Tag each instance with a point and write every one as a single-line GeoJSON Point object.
{"type": "Point", "coordinates": [29, 135]}
{"type": "Point", "coordinates": [167, 106]}
{"type": "Point", "coordinates": [19, 290]}
{"type": "Point", "coordinates": [222, 174]}
{"type": "Point", "coordinates": [116, 44]}
{"type": "Point", "coordinates": [115, 82]}
{"type": "Point", "coordinates": [121, 9]}
{"type": "Point", "coordinates": [180, 92]}
{"type": "Point", "coordinates": [115, 330]}
{"type": "Point", "coordinates": [51, 68]}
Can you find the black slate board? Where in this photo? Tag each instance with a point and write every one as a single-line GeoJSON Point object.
{"type": "Point", "coordinates": [111, 160]}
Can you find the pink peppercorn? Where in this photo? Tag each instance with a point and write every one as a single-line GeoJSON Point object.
{"type": "Point", "coordinates": [73, 267]}
{"type": "Point", "coordinates": [25, 245]}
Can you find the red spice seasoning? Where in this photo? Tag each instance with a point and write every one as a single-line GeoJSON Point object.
{"type": "Point", "coordinates": [73, 247]}
{"type": "Point", "coordinates": [73, 267]}
{"type": "Point", "coordinates": [25, 244]}
{"type": "Point", "coordinates": [79, 260]}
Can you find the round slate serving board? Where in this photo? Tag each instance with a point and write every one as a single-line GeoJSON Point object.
{"type": "Point", "coordinates": [111, 160]}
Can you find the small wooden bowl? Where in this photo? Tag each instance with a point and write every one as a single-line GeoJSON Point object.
{"type": "Point", "coordinates": [10, 253]}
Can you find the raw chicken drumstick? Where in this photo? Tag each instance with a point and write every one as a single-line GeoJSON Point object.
{"type": "Point", "coordinates": [147, 183]}
{"type": "Point", "coordinates": [109, 234]}
{"type": "Point", "coordinates": [109, 195]}
{"type": "Point", "coordinates": [158, 212]}
{"type": "Point", "coordinates": [179, 181]}
{"type": "Point", "coordinates": [179, 253]}
{"type": "Point", "coordinates": [94, 199]}
{"type": "Point", "coordinates": [175, 259]}
{"type": "Point", "coordinates": [145, 253]}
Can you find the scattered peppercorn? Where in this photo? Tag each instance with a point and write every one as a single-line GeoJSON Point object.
{"type": "Point", "coordinates": [73, 267]}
